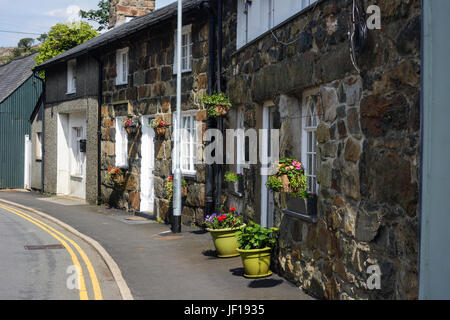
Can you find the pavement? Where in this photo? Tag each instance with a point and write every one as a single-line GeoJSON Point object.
{"type": "Point", "coordinates": [156, 264]}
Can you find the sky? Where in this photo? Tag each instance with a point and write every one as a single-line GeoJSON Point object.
{"type": "Point", "coordinates": [36, 17]}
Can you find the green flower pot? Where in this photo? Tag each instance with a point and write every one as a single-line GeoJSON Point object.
{"type": "Point", "coordinates": [256, 262]}
{"type": "Point", "coordinates": [225, 241]}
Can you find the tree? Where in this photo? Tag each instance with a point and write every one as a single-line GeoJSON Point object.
{"type": "Point", "coordinates": [63, 37]}
{"type": "Point", "coordinates": [42, 37]}
{"type": "Point", "coordinates": [25, 44]}
{"type": "Point", "coordinates": [101, 16]}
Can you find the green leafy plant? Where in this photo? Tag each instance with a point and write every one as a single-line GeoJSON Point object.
{"type": "Point", "coordinates": [213, 102]}
{"type": "Point", "coordinates": [115, 176]}
{"type": "Point", "coordinates": [293, 171]}
{"type": "Point", "coordinates": [233, 177]}
{"type": "Point", "coordinates": [154, 123]}
{"type": "Point", "coordinates": [254, 236]}
{"type": "Point", "coordinates": [227, 219]}
{"type": "Point", "coordinates": [169, 187]}
{"type": "Point", "coordinates": [63, 37]}
{"type": "Point", "coordinates": [101, 16]}
{"type": "Point", "coordinates": [216, 99]}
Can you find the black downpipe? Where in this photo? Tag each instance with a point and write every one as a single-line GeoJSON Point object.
{"type": "Point", "coordinates": [44, 99]}
{"type": "Point", "coordinates": [219, 176]}
{"type": "Point", "coordinates": [210, 122]}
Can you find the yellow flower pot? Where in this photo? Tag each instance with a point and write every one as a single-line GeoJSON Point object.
{"type": "Point", "coordinates": [256, 262]}
{"type": "Point", "coordinates": [225, 241]}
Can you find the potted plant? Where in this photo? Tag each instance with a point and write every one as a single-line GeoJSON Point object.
{"type": "Point", "coordinates": [223, 227]}
{"type": "Point", "coordinates": [216, 104]}
{"type": "Point", "coordinates": [116, 177]}
{"type": "Point", "coordinates": [130, 126]}
{"type": "Point", "coordinates": [290, 178]}
{"type": "Point", "coordinates": [256, 245]}
{"type": "Point", "coordinates": [169, 188]}
{"type": "Point", "coordinates": [159, 126]}
{"type": "Point", "coordinates": [235, 181]}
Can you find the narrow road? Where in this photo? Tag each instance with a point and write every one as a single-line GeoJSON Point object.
{"type": "Point", "coordinates": [42, 261]}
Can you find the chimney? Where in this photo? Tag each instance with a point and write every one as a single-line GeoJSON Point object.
{"type": "Point", "coordinates": [122, 10]}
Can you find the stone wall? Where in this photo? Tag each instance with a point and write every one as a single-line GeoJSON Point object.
{"type": "Point", "coordinates": [368, 145]}
{"type": "Point", "coordinates": [151, 90]}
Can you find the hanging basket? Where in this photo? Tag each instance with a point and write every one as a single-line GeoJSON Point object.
{"type": "Point", "coordinates": [160, 131]}
{"type": "Point", "coordinates": [221, 109]}
{"type": "Point", "coordinates": [286, 187]}
{"type": "Point", "coordinates": [131, 130]}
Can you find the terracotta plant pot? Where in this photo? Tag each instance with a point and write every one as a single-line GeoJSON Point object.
{"type": "Point", "coordinates": [221, 109]}
{"type": "Point", "coordinates": [131, 130]}
{"type": "Point", "coordinates": [160, 131]}
{"type": "Point", "coordinates": [225, 242]}
{"type": "Point", "coordinates": [286, 187]}
{"type": "Point", "coordinates": [256, 262]}
{"type": "Point", "coordinates": [118, 181]}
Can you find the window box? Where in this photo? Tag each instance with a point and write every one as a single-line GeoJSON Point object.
{"type": "Point", "coordinates": [302, 206]}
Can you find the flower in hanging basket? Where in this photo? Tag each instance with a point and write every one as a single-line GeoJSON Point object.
{"type": "Point", "coordinates": [130, 126]}
{"type": "Point", "coordinates": [115, 175]}
{"type": "Point", "coordinates": [159, 126]}
{"type": "Point", "coordinates": [290, 178]}
{"type": "Point", "coordinates": [216, 104]}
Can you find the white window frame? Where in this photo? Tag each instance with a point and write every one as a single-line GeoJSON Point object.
{"type": "Point", "coordinates": [71, 76]}
{"type": "Point", "coordinates": [189, 144]}
{"type": "Point", "coordinates": [309, 150]}
{"type": "Point", "coordinates": [185, 58]}
{"type": "Point", "coordinates": [122, 67]}
{"type": "Point", "coordinates": [76, 168]}
{"type": "Point", "coordinates": [263, 15]}
{"type": "Point", "coordinates": [121, 147]}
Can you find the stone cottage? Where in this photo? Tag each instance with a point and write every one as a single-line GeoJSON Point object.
{"type": "Point", "coordinates": [124, 74]}
{"type": "Point", "coordinates": [288, 67]}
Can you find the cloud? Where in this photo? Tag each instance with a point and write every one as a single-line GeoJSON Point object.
{"type": "Point", "coordinates": [71, 13]}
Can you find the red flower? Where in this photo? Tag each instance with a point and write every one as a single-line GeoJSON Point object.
{"type": "Point", "coordinates": [170, 179]}
{"type": "Point", "coordinates": [221, 218]}
{"type": "Point", "coordinates": [232, 209]}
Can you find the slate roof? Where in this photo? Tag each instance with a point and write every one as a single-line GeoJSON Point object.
{"type": "Point", "coordinates": [14, 74]}
{"type": "Point", "coordinates": [123, 30]}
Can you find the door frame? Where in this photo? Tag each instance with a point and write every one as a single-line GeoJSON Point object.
{"type": "Point", "coordinates": [267, 201]}
{"type": "Point", "coordinates": [147, 160]}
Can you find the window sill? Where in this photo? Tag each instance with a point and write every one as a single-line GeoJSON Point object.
{"type": "Point", "coordinates": [69, 93]}
{"type": "Point", "coordinates": [301, 216]}
{"type": "Point", "coordinates": [183, 71]}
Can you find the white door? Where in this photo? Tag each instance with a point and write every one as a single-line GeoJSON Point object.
{"type": "Point", "coordinates": [267, 202]}
{"type": "Point", "coordinates": [27, 172]}
{"type": "Point", "coordinates": [147, 166]}
{"type": "Point", "coordinates": [77, 156]}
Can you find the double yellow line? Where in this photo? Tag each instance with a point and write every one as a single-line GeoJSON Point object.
{"type": "Point", "coordinates": [62, 239]}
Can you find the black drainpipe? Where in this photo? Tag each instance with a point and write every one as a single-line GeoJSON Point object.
{"type": "Point", "coordinates": [99, 130]}
{"type": "Point", "coordinates": [211, 123]}
{"type": "Point", "coordinates": [219, 178]}
{"type": "Point", "coordinates": [44, 99]}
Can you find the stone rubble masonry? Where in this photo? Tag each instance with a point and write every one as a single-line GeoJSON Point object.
{"type": "Point", "coordinates": [151, 91]}
{"type": "Point", "coordinates": [368, 145]}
